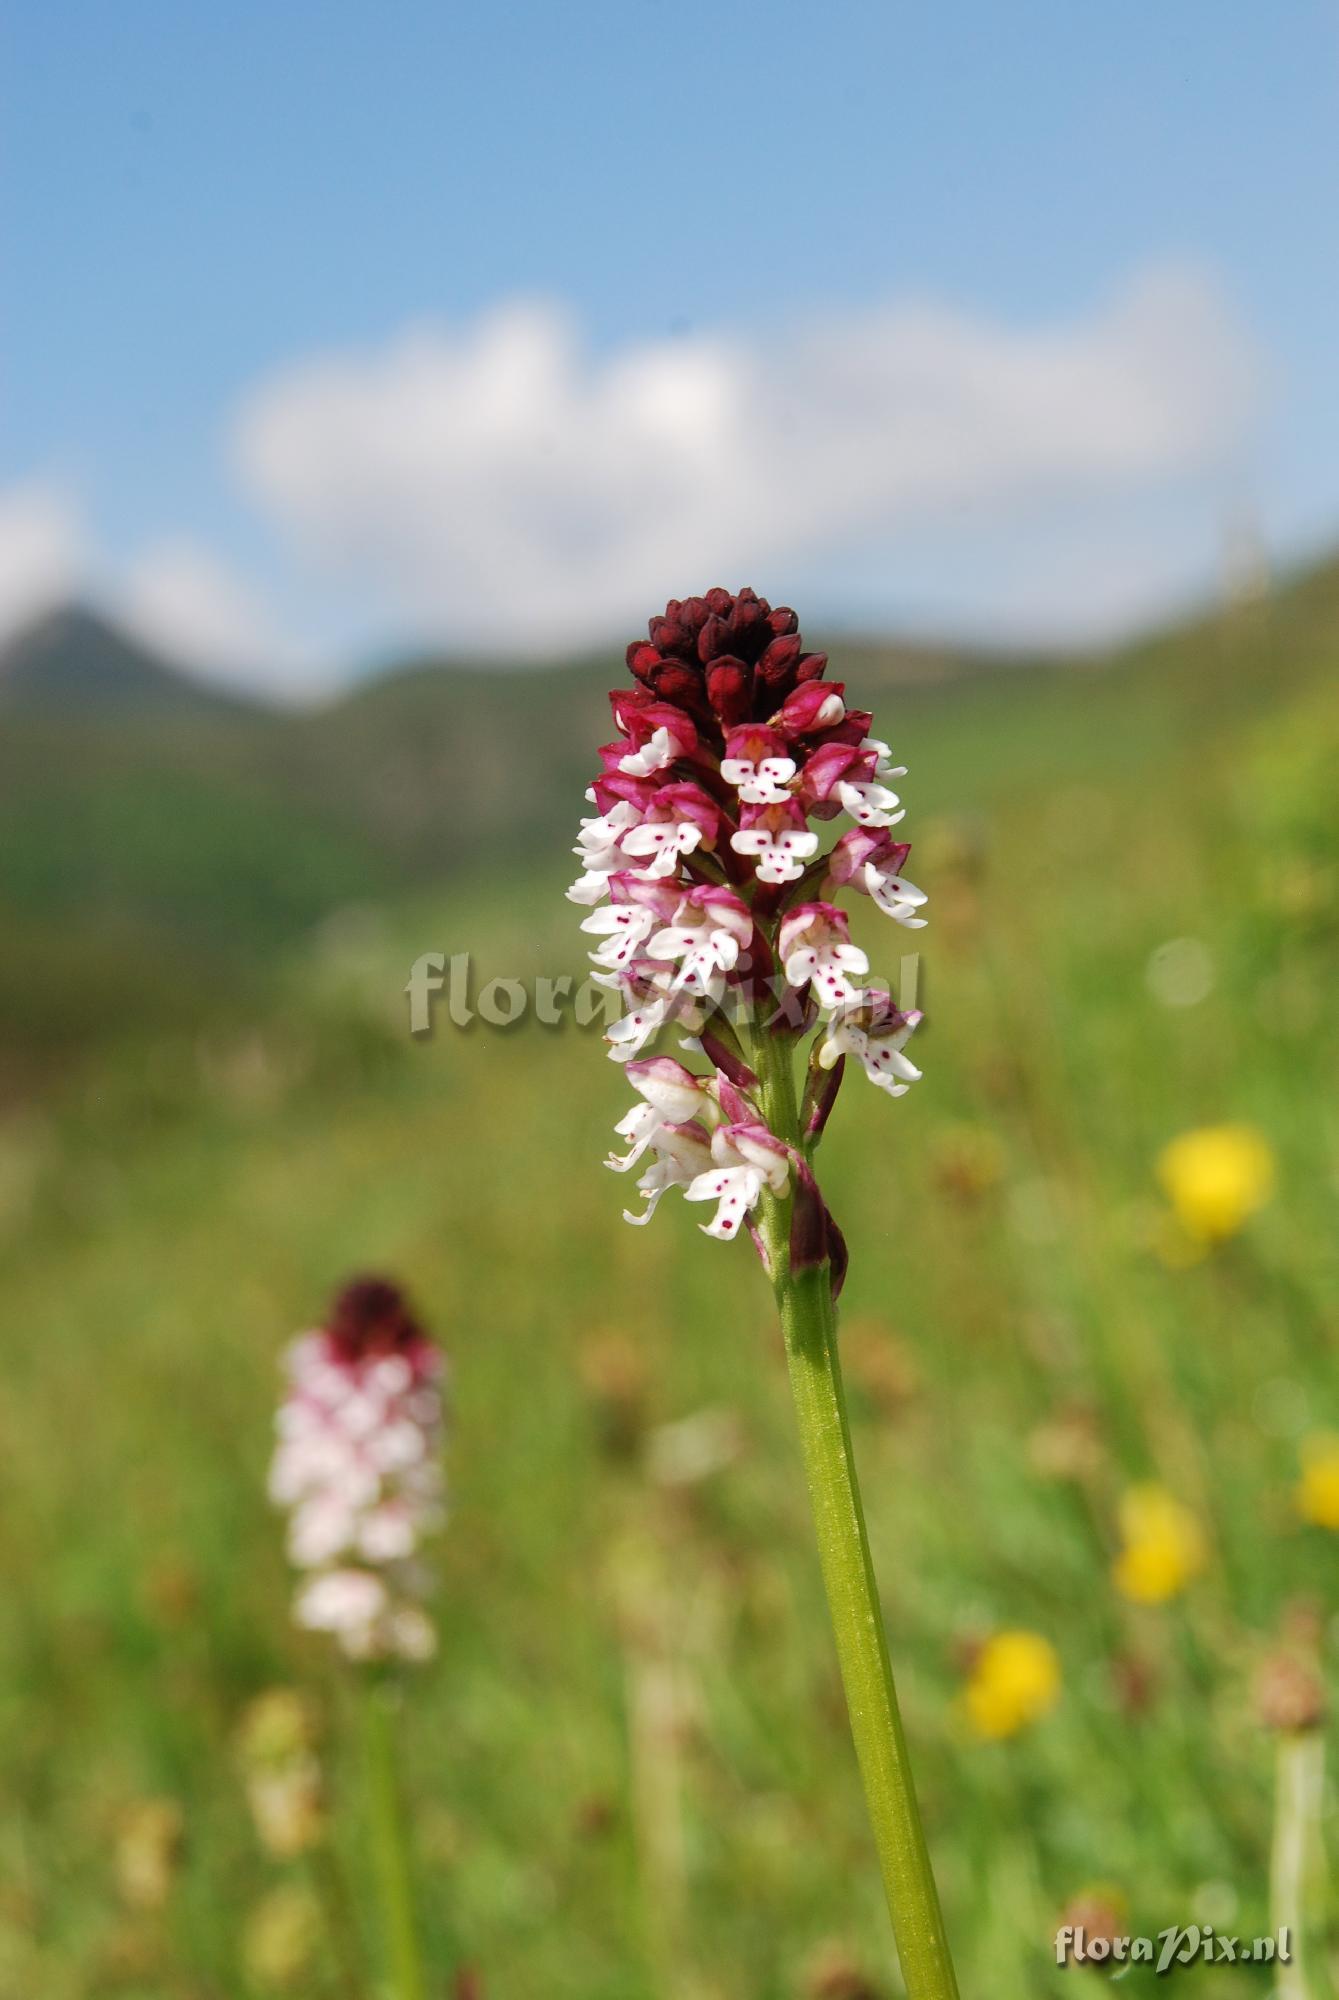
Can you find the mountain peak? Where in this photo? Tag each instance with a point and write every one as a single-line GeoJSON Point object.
{"type": "Point", "coordinates": [73, 662]}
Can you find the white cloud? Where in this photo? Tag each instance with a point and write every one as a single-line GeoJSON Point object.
{"type": "Point", "coordinates": [42, 552]}
{"type": "Point", "coordinates": [182, 599]}
{"type": "Point", "coordinates": [503, 485]}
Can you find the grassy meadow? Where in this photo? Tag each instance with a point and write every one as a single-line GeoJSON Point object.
{"type": "Point", "coordinates": [629, 1765]}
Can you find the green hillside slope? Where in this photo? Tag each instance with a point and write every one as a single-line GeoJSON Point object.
{"type": "Point", "coordinates": [152, 819]}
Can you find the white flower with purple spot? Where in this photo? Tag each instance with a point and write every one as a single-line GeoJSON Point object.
{"type": "Point", "coordinates": [711, 927]}
{"type": "Point", "coordinates": [628, 1037]}
{"type": "Point", "coordinates": [658, 751]}
{"type": "Point", "coordinates": [896, 897]}
{"type": "Point", "coordinates": [870, 803]}
{"type": "Point", "coordinates": [671, 1095]}
{"type": "Point", "coordinates": [625, 929]}
{"type": "Point", "coordinates": [759, 765]}
{"type": "Point", "coordinates": [600, 850]}
{"type": "Point", "coordinates": [776, 838]}
{"type": "Point", "coordinates": [875, 1033]}
{"type": "Point", "coordinates": [745, 1160]}
{"type": "Point", "coordinates": [816, 951]}
{"type": "Point", "coordinates": [870, 860]}
{"type": "Point", "coordinates": [682, 1152]}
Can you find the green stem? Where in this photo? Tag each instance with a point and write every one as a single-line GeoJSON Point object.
{"type": "Point", "coordinates": [1297, 1865]}
{"type": "Point", "coordinates": [809, 1323]}
{"type": "Point", "coordinates": [390, 1848]}
{"type": "Point", "coordinates": [345, 1943]}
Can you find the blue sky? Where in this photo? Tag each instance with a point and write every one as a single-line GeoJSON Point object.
{"type": "Point", "coordinates": [249, 249]}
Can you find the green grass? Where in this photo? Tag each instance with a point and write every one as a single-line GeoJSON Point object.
{"type": "Point", "coordinates": [183, 1199]}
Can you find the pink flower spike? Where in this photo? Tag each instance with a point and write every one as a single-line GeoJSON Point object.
{"type": "Point", "coordinates": [357, 1464]}
{"type": "Point", "coordinates": [816, 950]}
{"type": "Point", "coordinates": [704, 825]}
{"type": "Point", "coordinates": [719, 931]}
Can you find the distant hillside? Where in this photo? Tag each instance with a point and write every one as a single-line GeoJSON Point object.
{"type": "Point", "coordinates": [147, 819]}
{"type": "Point", "coordinates": [124, 778]}
{"type": "Point", "coordinates": [75, 663]}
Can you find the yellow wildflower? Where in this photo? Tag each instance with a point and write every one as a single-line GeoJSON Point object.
{"type": "Point", "coordinates": [1317, 1492]}
{"type": "Point", "coordinates": [1015, 1680]}
{"type": "Point", "coordinates": [1216, 1178]}
{"type": "Point", "coordinates": [1164, 1545]}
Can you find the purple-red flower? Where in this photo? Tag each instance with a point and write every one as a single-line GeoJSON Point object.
{"type": "Point", "coordinates": [358, 1466]}
{"type": "Point", "coordinates": [712, 890]}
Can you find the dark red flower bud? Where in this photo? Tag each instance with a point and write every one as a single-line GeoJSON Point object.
{"type": "Point", "coordinates": [776, 668]}
{"type": "Point", "coordinates": [713, 639]}
{"type": "Point", "coordinates": [694, 613]}
{"type": "Point", "coordinates": [643, 659]}
{"type": "Point", "coordinates": [723, 656]}
{"type": "Point", "coordinates": [730, 691]}
{"type": "Point", "coordinates": [673, 681]}
{"type": "Point", "coordinates": [747, 623]}
{"type": "Point", "coordinates": [667, 635]}
{"type": "Point", "coordinates": [371, 1316]}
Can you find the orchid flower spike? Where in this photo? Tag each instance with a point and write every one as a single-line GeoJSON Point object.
{"type": "Point", "coordinates": [712, 900]}
{"type": "Point", "coordinates": [711, 890]}
{"type": "Point", "coordinates": [357, 1465]}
